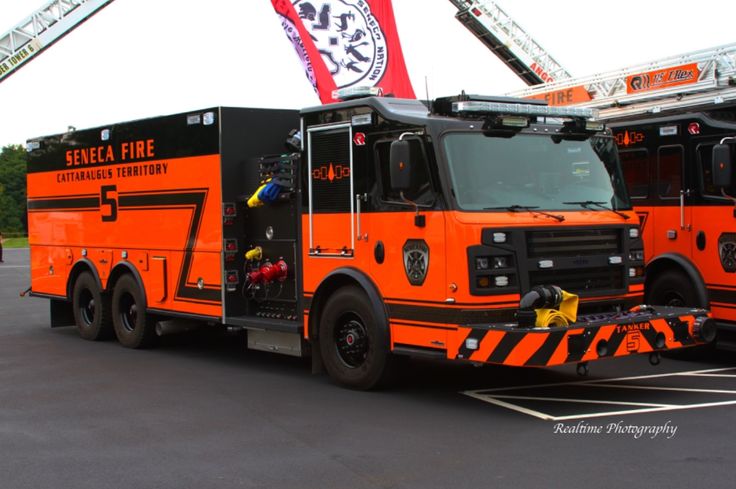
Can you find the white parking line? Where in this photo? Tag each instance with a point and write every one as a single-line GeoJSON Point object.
{"type": "Point", "coordinates": [585, 401]}
{"type": "Point", "coordinates": [498, 396]}
{"type": "Point", "coordinates": [732, 376]}
{"type": "Point", "coordinates": [656, 388]}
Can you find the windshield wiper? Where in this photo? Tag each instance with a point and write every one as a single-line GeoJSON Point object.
{"type": "Point", "coordinates": [526, 208]}
{"type": "Point", "coordinates": [591, 203]}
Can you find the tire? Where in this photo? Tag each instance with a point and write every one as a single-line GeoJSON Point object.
{"type": "Point", "coordinates": [672, 288]}
{"type": "Point", "coordinates": [353, 342]}
{"type": "Point", "coordinates": [92, 311]}
{"type": "Point", "coordinates": [134, 328]}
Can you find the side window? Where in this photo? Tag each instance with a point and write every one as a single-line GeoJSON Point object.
{"type": "Point", "coordinates": [705, 170]}
{"type": "Point", "coordinates": [669, 172]}
{"type": "Point", "coordinates": [635, 164]}
{"type": "Point", "coordinates": [421, 186]}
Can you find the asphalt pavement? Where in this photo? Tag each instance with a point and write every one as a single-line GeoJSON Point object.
{"type": "Point", "coordinates": [201, 411]}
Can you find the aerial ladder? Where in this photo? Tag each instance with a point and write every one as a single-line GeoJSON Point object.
{"type": "Point", "coordinates": [694, 79]}
{"type": "Point", "coordinates": [510, 42]}
{"type": "Point", "coordinates": [41, 29]}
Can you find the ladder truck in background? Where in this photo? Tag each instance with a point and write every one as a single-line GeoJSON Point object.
{"type": "Point", "coordinates": [41, 29]}
{"type": "Point", "coordinates": [674, 122]}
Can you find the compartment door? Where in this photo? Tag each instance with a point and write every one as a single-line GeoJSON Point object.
{"type": "Point", "coordinates": [331, 205]}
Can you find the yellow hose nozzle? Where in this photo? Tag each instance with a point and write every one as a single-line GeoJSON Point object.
{"type": "Point", "coordinates": [255, 254]}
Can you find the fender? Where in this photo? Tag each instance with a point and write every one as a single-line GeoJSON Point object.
{"type": "Point", "coordinates": [664, 261]}
{"type": "Point", "coordinates": [343, 276]}
{"type": "Point", "coordinates": [78, 267]}
{"type": "Point", "coordinates": [122, 267]}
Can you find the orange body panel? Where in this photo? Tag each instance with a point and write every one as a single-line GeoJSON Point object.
{"type": "Point", "coordinates": [165, 214]}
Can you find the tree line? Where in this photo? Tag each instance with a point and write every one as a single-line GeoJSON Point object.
{"type": "Point", "coordinates": [13, 162]}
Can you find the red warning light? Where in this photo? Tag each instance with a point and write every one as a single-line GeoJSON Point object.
{"type": "Point", "coordinates": [693, 128]}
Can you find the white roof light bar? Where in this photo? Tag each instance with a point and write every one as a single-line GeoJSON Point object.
{"type": "Point", "coordinates": [523, 109]}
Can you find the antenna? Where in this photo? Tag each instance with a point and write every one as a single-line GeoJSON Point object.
{"type": "Point", "coordinates": [426, 91]}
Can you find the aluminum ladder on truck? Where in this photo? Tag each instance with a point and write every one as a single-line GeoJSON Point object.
{"type": "Point", "coordinates": [694, 79]}
{"type": "Point", "coordinates": [41, 29]}
{"type": "Point", "coordinates": [509, 41]}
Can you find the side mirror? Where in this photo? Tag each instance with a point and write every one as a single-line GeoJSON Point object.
{"type": "Point", "coordinates": [400, 165]}
{"type": "Point", "coordinates": [722, 166]}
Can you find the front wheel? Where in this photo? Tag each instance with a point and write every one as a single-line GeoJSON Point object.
{"type": "Point", "coordinates": [133, 326]}
{"type": "Point", "coordinates": [672, 288]}
{"type": "Point", "coordinates": [354, 343]}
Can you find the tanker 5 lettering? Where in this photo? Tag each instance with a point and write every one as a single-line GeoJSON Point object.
{"type": "Point", "coordinates": [125, 151]}
{"type": "Point", "coordinates": [623, 328]}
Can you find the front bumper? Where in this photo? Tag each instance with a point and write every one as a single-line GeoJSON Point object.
{"type": "Point", "coordinates": [644, 329]}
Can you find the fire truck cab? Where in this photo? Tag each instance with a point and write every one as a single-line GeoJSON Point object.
{"type": "Point", "coordinates": [476, 229]}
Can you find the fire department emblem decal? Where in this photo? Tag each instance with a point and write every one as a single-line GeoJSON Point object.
{"type": "Point", "coordinates": [349, 38]}
{"type": "Point", "coordinates": [416, 260]}
{"type": "Point", "coordinates": [727, 251]}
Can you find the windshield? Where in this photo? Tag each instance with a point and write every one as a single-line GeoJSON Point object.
{"type": "Point", "coordinates": [532, 171]}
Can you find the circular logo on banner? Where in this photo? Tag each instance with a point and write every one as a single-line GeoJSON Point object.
{"type": "Point", "coordinates": [348, 37]}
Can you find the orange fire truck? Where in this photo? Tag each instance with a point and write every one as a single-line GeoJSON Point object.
{"type": "Point", "coordinates": [467, 230]}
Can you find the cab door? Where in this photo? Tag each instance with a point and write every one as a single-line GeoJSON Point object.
{"type": "Point", "coordinates": [672, 220]}
{"type": "Point", "coordinates": [714, 236]}
{"type": "Point", "coordinates": [406, 238]}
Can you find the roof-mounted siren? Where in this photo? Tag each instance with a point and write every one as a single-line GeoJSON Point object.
{"type": "Point", "coordinates": [352, 93]}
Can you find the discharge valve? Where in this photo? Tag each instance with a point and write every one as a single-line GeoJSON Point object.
{"type": "Point", "coordinates": [269, 272]}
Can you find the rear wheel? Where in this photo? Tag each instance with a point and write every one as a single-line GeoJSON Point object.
{"type": "Point", "coordinates": [133, 326]}
{"type": "Point", "coordinates": [92, 311]}
{"type": "Point", "coordinates": [354, 343]}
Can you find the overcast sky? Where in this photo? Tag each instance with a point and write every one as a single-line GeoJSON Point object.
{"type": "Point", "coordinates": [142, 58]}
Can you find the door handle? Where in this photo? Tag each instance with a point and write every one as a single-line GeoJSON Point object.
{"type": "Point", "coordinates": [358, 199]}
{"type": "Point", "coordinates": [683, 194]}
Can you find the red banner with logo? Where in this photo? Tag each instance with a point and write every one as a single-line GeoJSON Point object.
{"type": "Point", "coordinates": [346, 43]}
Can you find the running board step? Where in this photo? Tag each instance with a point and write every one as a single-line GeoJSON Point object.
{"type": "Point", "coordinates": [419, 351]}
